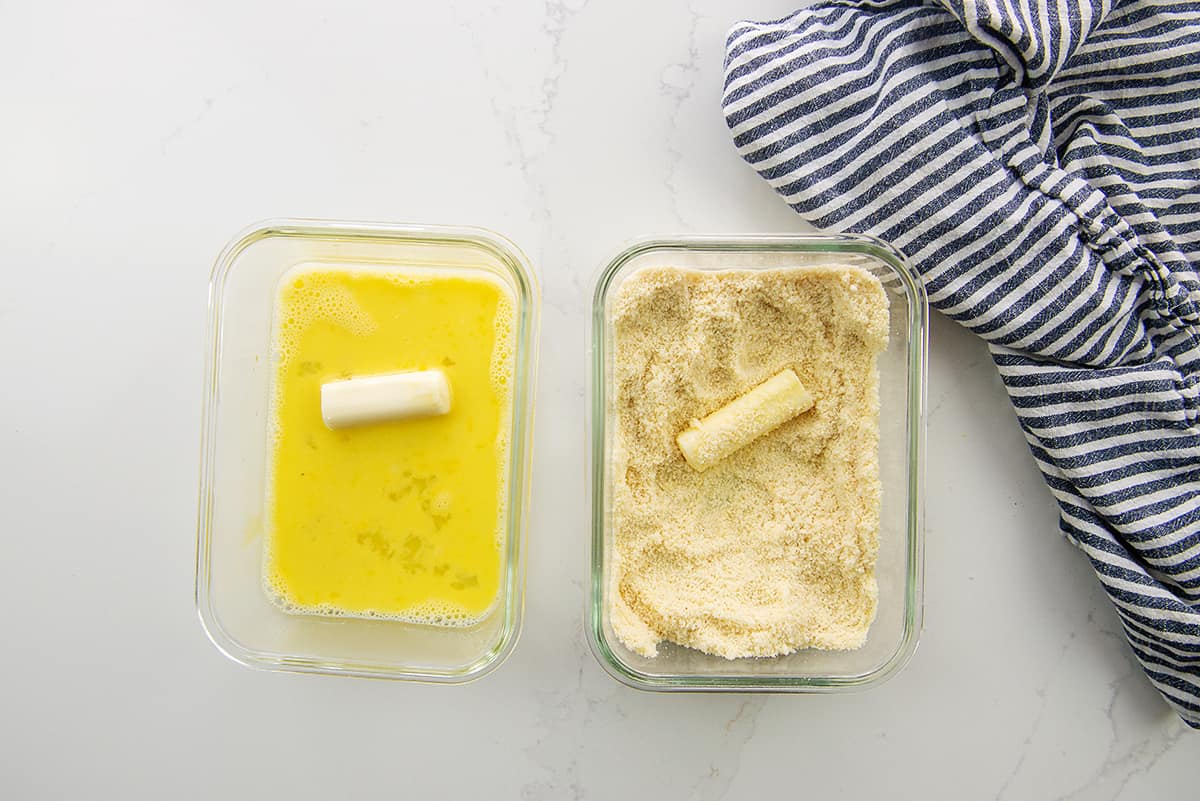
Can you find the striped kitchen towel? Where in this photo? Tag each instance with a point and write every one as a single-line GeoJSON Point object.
{"type": "Point", "coordinates": [1039, 163]}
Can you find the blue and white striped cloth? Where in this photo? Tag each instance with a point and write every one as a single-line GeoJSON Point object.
{"type": "Point", "coordinates": [1039, 162]}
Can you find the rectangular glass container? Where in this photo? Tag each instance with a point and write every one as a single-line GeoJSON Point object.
{"type": "Point", "coordinates": [234, 609]}
{"type": "Point", "coordinates": [893, 635]}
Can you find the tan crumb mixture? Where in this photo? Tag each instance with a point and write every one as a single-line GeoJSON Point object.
{"type": "Point", "coordinates": [773, 549]}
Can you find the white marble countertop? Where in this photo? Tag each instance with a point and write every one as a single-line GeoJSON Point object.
{"type": "Point", "coordinates": [139, 136]}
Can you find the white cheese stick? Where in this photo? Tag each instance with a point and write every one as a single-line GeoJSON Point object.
{"type": "Point", "coordinates": [391, 396]}
{"type": "Point", "coordinates": [741, 421]}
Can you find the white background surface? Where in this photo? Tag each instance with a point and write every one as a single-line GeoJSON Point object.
{"type": "Point", "coordinates": [136, 138]}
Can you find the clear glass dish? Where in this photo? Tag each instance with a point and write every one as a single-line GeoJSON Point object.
{"type": "Point", "coordinates": [893, 635]}
{"type": "Point", "coordinates": [233, 607]}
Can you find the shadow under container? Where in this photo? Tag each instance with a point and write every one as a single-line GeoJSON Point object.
{"type": "Point", "coordinates": [233, 606]}
{"type": "Point", "coordinates": [899, 569]}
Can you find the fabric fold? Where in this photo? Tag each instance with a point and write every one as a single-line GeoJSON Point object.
{"type": "Point", "coordinates": [1040, 166]}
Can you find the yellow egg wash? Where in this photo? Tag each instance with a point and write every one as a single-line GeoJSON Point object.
{"type": "Point", "coordinates": [401, 519]}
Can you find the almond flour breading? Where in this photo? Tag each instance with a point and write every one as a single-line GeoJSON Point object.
{"type": "Point", "coordinates": [772, 549]}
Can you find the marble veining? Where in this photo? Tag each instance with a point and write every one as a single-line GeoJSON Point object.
{"type": "Point", "coordinates": [142, 135]}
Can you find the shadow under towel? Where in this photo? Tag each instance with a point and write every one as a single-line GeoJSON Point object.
{"type": "Point", "coordinates": [1040, 166]}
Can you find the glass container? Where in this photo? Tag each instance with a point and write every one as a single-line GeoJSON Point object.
{"type": "Point", "coordinates": [893, 635]}
{"type": "Point", "coordinates": [233, 607]}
